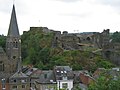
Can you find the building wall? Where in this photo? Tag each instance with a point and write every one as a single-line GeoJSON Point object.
{"type": "Point", "coordinates": [68, 82]}
{"type": "Point", "coordinates": [85, 79]}
{"type": "Point", "coordinates": [19, 83]}
{"type": "Point", "coordinates": [24, 86]}
{"type": "Point", "coordinates": [46, 86]}
{"type": "Point", "coordinates": [6, 86]}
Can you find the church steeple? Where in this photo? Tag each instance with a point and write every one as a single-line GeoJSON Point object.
{"type": "Point", "coordinates": [13, 27]}
{"type": "Point", "coordinates": [13, 43]}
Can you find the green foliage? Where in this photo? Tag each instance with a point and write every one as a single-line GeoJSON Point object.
{"type": "Point", "coordinates": [2, 41]}
{"type": "Point", "coordinates": [77, 87]}
{"type": "Point", "coordinates": [36, 50]}
{"type": "Point", "coordinates": [102, 63]}
{"type": "Point", "coordinates": [116, 37]}
{"type": "Point", "coordinates": [105, 83]}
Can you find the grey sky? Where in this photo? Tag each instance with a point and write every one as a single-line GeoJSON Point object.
{"type": "Point", "coordinates": [68, 1]}
{"type": "Point", "coordinates": [69, 15]}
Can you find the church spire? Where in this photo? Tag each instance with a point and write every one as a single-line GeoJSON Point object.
{"type": "Point", "coordinates": [13, 27]}
{"type": "Point", "coordinates": [13, 44]}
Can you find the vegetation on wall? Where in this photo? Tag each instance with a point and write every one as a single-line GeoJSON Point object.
{"type": "Point", "coordinates": [37, 50]}
{"type": "Point", "coordinates": [116, 37]}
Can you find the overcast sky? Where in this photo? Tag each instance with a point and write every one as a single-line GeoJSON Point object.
{"type": "Point", "coordinates": [63, 15]}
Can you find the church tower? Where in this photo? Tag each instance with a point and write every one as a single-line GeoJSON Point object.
{"type": "Point", "coordinates": [13, 44]}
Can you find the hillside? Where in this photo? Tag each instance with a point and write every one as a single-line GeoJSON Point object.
{"type": "Point", "coordinates": [37, 50]}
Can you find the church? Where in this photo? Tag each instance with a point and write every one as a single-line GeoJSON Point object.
{"type": "Point", "coordinates": [11, 76]}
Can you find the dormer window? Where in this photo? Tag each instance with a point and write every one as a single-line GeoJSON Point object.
{"type": "Point", "coordinates": [57, 70]}
{"type": "Point", "coordinates": [23, 81]}
{"type": "Point", "coordinates": [65, 71]}
{"type": "Point", "coordinates": [61, 71]}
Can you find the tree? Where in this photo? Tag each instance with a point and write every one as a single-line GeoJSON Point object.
{"type": "Point", "coordinates": [116, 37]}
{"type": "Point", "coordinates": [105, 83]}
{"type": "Point", "coordinates": [2, 41]}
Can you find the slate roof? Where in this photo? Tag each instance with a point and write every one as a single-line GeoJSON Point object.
{"type": "Point", "coordinates": [34, 74]}
{"type": "Point", "coordinates": [13, 27]}
{"type": "Point", "coordinates": [63, 72]}
{"type": "Point", "coordinates": [47, 77]}
{"type": "Point", "coordinates": [19, 75]}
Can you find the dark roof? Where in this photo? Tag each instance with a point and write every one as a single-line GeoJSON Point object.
{"type": "Point", "coordinates": [13, 27]}
{"type": "Point", "coordinates": [47, 77]}
{"type": "Point", "coordinates": [34, 73]}
{"type": "Point", "coordinates": [63, 72]}
{"type": "Point", "coordinates": [19, 75]}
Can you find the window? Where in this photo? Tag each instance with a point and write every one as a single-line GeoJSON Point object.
{"type": "Point", "coordinates": [23, 86]}
{"type": "Point", "coordinates": [64, 78]}
{"type": "Point", "coordinates": [3, 83]}
{"type": "Point", "coordinates": [1, 66]}
{"type": "Point", "coordinates": [45, 76]}
{"type": "Point", "coordinates": [64, 85]}
{"type": "Point", "coordinates": [14, 87]}
{"type": "Point", "coordinates": [23, 81]}
{"type": "Point", "coordinates": [15, 80]}
{"type": "Point", "coordinates": [14, 57]}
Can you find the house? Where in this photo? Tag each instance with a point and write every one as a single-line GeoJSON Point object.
{"type": "Point", "coordinates": [64, 77]}
{"type": "Point", "coordinates": [32, 73]}
{"type": "Point", "coordinates": [19, 81]}
{"type": "Point", "coordinates": [85, 78]}
{"type": "Point", "coordinates": [61, 77]}
{"type": "Point", "coordinates": [34, 76]}
{"type": "Point", "coordinates": [46, 81]}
